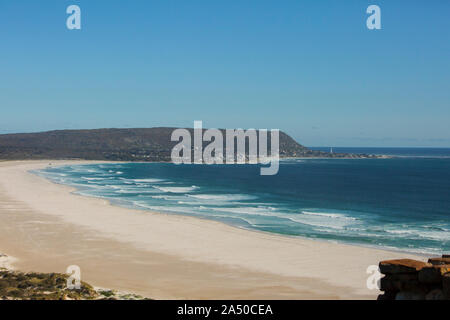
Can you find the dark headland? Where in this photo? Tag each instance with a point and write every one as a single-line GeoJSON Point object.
{"type": "Point", "coordinates": [139, 144]}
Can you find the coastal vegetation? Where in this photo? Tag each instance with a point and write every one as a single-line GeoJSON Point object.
{"type": "Point", "coordinates": [15, 285]}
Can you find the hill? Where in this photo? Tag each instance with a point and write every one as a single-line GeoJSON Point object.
{"type": "Point", "coordinates": [140, 144]}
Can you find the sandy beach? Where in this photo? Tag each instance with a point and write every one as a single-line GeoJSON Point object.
{"type": "Point", "coordinates": [47, 228]}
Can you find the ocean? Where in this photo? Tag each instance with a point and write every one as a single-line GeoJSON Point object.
{"type": "Point", "coordinates": [401, 203]}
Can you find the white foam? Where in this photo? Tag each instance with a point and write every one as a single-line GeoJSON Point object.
{"type": "Point", "coordinates": [169, 198]}
{"type": "Point", "coordinates": [176, 189]}
{"type": "Point", "coordinates": [177, 209]}
{"type": "Point", "coordinates": [146, 180]}
{"type": "Point", "coordinates": [245, 213]}
{"type": "Point", "coordinates": [409, 232]}
{"type": "Point", "coordinates": [133, 191]}
{"type": "Point", "coordinates": [323, 220]}
{"type": "Point", "coordinates": [246, 210]}
{"type": "Point", "coordinates": [329, 215]}
{"type": "Point", "coordinates": [112, 186]}
{"type": "Point", "coordinates": [223, 197]}
{"type": "Point", "coordinates": [91, 179]}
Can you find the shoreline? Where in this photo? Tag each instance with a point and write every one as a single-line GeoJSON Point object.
{"type": "Point", "coordinates": [86, 162]}
{"type": "Point", "coordinates": [223, 261]}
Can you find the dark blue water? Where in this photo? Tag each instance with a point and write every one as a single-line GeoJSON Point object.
{"type": "Point", "coordinates": [397, 152]}
{"type": "Point", "coordinates": [401, 203]}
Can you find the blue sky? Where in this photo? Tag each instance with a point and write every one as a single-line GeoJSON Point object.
{"type": "Point", "coordinates": [310, 68]}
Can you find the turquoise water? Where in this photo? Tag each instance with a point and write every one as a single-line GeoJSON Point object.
{"type": "Point", "coordinates": [400, 203]}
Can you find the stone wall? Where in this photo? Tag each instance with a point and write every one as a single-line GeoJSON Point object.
{"type": "Point", "coordinates": [407, 279]}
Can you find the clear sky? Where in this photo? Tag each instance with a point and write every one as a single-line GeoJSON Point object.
{"type": "Point", "coordinates": [310, 68]}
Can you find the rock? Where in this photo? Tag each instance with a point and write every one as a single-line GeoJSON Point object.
{"type": "Point", "coordinates": [436, 294]}
{"type": "Point", "coordinates": [404, 276]}
{"type": "Point", "coordinates": [446, 256]}
{"type": "Point", "coordinates": [402, 266]}
{"type": "Point", "coordinates": [410, 295]}
{"type": "Point", "coordinates": [387, 284]}
{"type": "Point", "coordinates": [399, 282]}
{"type": "Point", "coordinates": [446, 285]}
{"type": "Point", "coordinates": [439, 261]}
{"type": "Point", "coordinates": [388, 295]}
{"type": "Point", "coordinates": [433, 274]}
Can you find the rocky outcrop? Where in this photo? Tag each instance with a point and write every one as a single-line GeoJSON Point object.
{"type": "Point", "coordinates": [407, 279]}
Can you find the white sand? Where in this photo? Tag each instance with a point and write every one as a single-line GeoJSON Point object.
{"type": "Point", "coordinates": [168, 256]}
